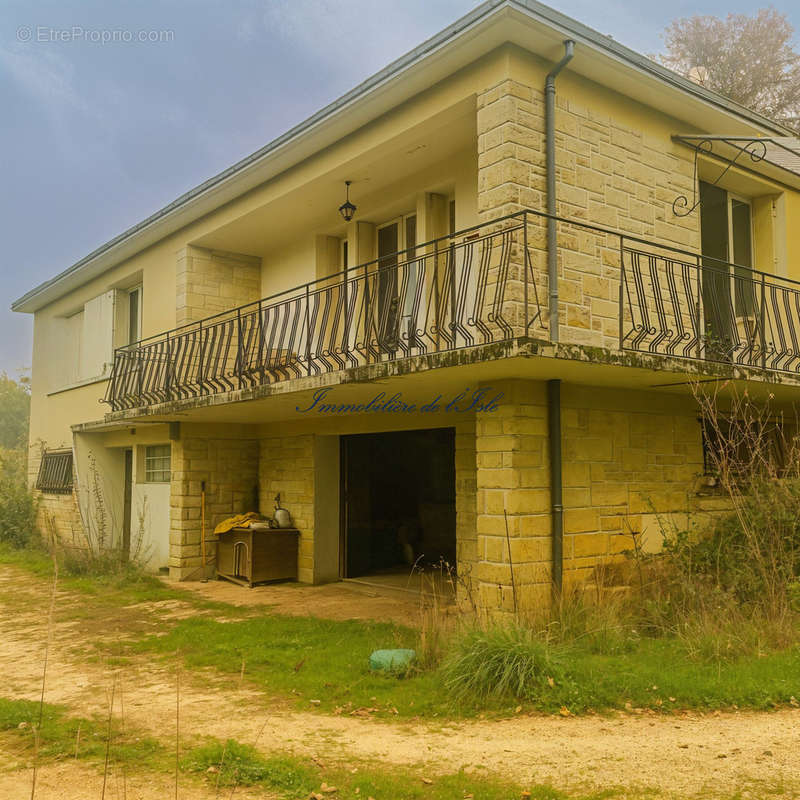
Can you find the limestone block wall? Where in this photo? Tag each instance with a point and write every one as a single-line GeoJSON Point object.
{"type": "Point", "coordinates": [229, 467]}
{"type": "Point", "coordinates": [629, 458]}
{"type": "Point", "coordinates": [513, 499]}
{"type": "Point", "coordinates": [623, 461]}
{"type": "Point", "coordinates": [58, 515]}
{"type": "Point", "coordinates": [287, 466]}
{"type": "Point", "coordinates": [211, 281]}
{"type": "Point", "coordinates": [467, 552]}
{"type": "Point", "coordinates": [610, 171]}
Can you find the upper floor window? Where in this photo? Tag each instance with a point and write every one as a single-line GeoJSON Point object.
{"type": "Point", "coordinates": [83, 341]}
{"type": "Point", "coordinates": [134, 306]}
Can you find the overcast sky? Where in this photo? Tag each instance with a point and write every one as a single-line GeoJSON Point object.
{"type": "Point", "coordinates": [94, 137]}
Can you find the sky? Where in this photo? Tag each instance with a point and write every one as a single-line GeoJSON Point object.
{"type": "Point", "coordinates": [96, 135]}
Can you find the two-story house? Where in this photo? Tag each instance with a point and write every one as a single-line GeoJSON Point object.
{"type": "Point", "coordinates": [453, 315]}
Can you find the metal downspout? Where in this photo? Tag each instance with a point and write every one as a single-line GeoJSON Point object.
{"type": "Point", "coordinates": [550, 169]}
{"type": "Point", "coordinates": [554, 436]}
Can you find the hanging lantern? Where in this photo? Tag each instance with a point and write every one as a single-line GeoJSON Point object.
{"type": "Point", "coordinates": [347, 209]}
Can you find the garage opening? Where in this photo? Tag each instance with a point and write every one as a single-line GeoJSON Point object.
{"type": "Point", "coordinates": [398, 502]}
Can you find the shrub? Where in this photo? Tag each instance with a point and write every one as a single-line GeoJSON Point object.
{"type": "Point", "coordinates": [503, 661]}
{"type": "Point", "coordinates": [17, 505]}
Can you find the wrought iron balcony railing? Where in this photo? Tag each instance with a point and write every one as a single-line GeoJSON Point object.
{"type": "Point", "coordinates": [478, 286]}
{"type": "Point", "coordinates": [681, 304]}
{"type": "Point", "coordinates": [443, 295]}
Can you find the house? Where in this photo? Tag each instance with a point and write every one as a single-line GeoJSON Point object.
{"type": "Point", "coordinates": [453, 315]}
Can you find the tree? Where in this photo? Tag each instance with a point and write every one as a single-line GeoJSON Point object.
{"type": "Point", "coordinates": [749, 59]}
{"type": "Point", "coordinates": [15, 404]}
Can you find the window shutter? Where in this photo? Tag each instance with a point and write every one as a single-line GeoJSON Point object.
{"type": "Point", "coordinates": [97, 339]}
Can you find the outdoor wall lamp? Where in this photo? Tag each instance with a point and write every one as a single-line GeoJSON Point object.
{"type": "Point", "coordinates": [347, 209]}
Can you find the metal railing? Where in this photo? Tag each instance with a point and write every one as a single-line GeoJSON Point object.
{"type": "Point", "coordinates": [681, 304]}
{"type": "Point", "coordinates": [478, 286]}
{"type": "Point", "coordinates": [446, 294]}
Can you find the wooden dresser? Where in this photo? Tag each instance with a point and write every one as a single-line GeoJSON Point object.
{"type": "Point", "coordinates": [246, 556]}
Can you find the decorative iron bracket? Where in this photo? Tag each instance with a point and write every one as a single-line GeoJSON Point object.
{"type": "Point", "coordinates": [756, 149]}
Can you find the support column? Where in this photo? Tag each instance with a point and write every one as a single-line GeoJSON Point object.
{"type": "Point", "coordinates": [513, 488]}
{"type": "Point", "coordinates": [229, 469]}
{"type": "Point", "coordinates": [210, 281]}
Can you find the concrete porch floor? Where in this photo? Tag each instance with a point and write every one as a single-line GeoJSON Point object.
{"type": "Point", "coordinates": [388, 597]}
{"type": "Point", "coordinates": [431, 584]}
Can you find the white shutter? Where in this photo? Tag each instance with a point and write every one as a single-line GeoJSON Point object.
{"type": "Point", "coordinates": [68, 368]}
{"type": "Point", "coordinates": [97, 338]}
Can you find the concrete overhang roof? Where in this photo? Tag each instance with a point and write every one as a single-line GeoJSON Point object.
{"type": "Point", "coordinates": [526, 23]}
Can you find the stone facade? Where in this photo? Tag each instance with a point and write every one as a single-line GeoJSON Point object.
{"type": "Point", "coordinates": [467, 549]}
{"type": "Point", "coordinates": [607, 174]}
{"type": "Point", "coordinates": [211, 281]}
{"type": "Point", "coordinates": [287, 467]}
{"type": "Point", "coordinates": [624, 462]}
{"type": "Point", "coordinates": [513, 499]}
{"type": "Point", "coordinates": [229, 467]}
{"type": "Point", "coordinates": [627, 459]}
{"type": "Point", "coordinates": [58, 515]}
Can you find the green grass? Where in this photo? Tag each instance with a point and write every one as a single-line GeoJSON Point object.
{"type": "Point", "coordinates": [658, 670]}
{"type": "Point", "coordinates": [312, 659]}
{"type": "Point", "coordinates": [123, 588]}
{"type": "Point", "coordinates": [290, 777]}
{"type": "Point", "coordinates": [236, 764]}
{"type": "Point", "coordinates": [61, 735]}
{"type": "Point", "coordinates": [305, 657]}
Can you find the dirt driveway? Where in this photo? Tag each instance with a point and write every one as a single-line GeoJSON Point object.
{"type": "Point", "coordinates": [690, 755]}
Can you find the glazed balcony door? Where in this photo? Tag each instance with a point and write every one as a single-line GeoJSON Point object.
{"type": "Point", "coordinates": [728, 287]}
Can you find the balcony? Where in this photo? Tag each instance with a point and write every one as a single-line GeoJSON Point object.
{"type": "Point", "coordinates": [480, 286]}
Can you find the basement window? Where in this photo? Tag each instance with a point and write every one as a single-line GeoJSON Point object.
{"type": "Point", "coordinates": [55, 472]}
{"type": "Point", "coordinates": [746, 448]}
{"type": "Point", "coordinates": [157, 463]}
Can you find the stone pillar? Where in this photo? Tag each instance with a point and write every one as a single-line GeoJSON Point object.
{"type": "Point", "coordinates": [513, 482]}
{"type": "Point", "coordinates": [287, 466]}
{"type": "Point", "coordinates": [211, 281]}
{"type": "Point", "coordinates": [510, 126]}
{"type": "Point", "coordinates": [229, 467]}
{"type": "Point", "coordinates": [466, 512]}
{"type": "Point", "coordinates": [510, 149]}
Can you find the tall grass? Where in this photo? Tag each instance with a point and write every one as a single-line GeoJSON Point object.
{"type": "Point", "coordinates": [502, 661]}
{"type": "Point", "coordinates": [721, 600]}
{"type": "Point", "coordinates": [17, 505]}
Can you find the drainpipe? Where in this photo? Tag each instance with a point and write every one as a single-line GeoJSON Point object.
{"type": "Point", "coordinates": [550, 169]}
{"type": "Point", "coordinates": [554, 436]}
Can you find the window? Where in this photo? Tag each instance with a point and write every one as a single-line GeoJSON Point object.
{"type": "Point", "coordinates": [134, 315]}
{"type": "Point", "coordinates": [728, 292]}
{"type": "Point", "coordinates": [157, 463]}
{"type": "Point", "coordinates": [740, 231]}
{"type": "Point", "coordinates": [746, 448]}
{"type": "Point", "coordinates": [55, 472]}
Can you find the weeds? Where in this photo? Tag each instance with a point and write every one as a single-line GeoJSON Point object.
{"type": "Point", "coordinates": [501, 661]}
{"type": "Point", "coordinates": [17, 505]}
{"type": "Point", "coordinates": [233, 763]}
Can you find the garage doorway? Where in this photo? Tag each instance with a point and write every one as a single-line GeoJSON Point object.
{"type": "Point", "coordinates": [398, 502]}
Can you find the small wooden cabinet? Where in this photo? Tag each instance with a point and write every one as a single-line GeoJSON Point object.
{"type": "Point", "coordinates": [246, 556]}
